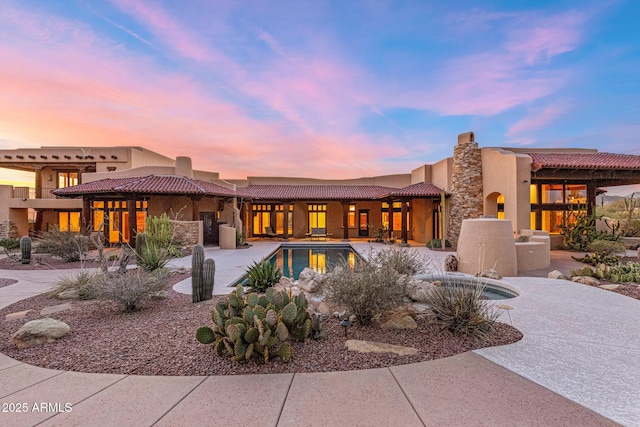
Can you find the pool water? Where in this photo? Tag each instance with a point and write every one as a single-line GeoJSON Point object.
{"type": "Point", "coordinates": [293, 259]}
{"type": "Point", "coordinates": [493, 289]}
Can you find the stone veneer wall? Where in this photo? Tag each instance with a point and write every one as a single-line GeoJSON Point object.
{"type": "Point", "coordinates": [186, 232]}
{"type": "Point", "coordinates": [466, 185]}
{"type": "Point", "coordinates": [8, 230]}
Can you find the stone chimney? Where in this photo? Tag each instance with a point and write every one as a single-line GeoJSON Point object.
{"type": "Point", "coordinates": [183, 167]}
{"type": "Point", "coordinates": [466, 185]}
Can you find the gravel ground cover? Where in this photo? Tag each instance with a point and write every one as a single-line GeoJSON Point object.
{"type": "Point", "coordinates": [160, 340]}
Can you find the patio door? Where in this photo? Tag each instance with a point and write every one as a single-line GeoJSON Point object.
{"type": "Point", "coordinates": [210, 231]}
{"type": "Point", "coordinates": [363, 223]}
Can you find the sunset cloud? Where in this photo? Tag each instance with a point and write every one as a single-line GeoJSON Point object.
{"type": "Point", "coordinates": [331, 91]}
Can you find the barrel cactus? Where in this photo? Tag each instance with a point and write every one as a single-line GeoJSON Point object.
{"type": "Point", "coordinates": [197, 262]}
{"type": "Point", "coordinates": [25, 249]}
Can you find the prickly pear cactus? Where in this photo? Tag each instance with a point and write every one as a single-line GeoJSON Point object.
{"type": "Point", "coordinates": [25, 249]}
{"type": "Point", "coordinates": [244, 329]}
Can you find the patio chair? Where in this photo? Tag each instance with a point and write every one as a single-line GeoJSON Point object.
{"type": "Point", "coordinates": [269, 232]}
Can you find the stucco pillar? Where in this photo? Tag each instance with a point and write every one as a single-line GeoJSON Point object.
{"type": "Point", "coordinates": [345, 220]}
{"type": "Point", "coordinates": [38, 183]}
{"type": "Point", "coordinates": [390, 212]}
{"type": "Point", "coordinates": [285, 220]}
{"type": "Point", "coordinates": [87, 218]}
{"type": "Point", "coordinates": [133, 223]}
{"type": "Point", "coordinates": [404, 222]}
{"type": "Point", "coordinates": [195, 209]}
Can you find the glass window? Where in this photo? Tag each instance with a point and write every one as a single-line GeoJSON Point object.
{"type": "Point", "coordinates": [352, 216]}
{"type": "Point", "coordinates": [552, 193]}
{"type": "Point", "coordinates": [533, 194]}
{"type": "Point", "coordinates": [317, 216]}
{"type": "Point", "coordinates": [69, 221]}
{"type": "Point", "coordinates": [576, 193]}
{"type": "Point", "coordinates": [67, 179]}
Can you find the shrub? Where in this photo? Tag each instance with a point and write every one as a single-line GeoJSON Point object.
{"type": "Point", "coordinates": [263, 275]}
{"type": "Point", "coordinates": [130, 287]}
{"type": "Point", "coordinates": [461, 310]}
{"type": "Point", "coordinates": [9, 244]}
{"type": "Point", "coordinates": [402, 260]}
{"type": "Point", "coordinates": [367, 290]}
{"type": "Point", "coordinates": [64, 244]}
{"type": "Point", "coordinates": [605, 247]}
{"type": "Point", "coordinates": [152, 257]}
{"type": "Point", "coordinates": [160, 233]}
{"type": "Point", "coordinates": [81, 281]}
{"type": "Point", "coordinates": [437, 243]}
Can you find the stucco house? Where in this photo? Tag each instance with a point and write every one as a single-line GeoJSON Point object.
{"type": "Point", "coordinates": [105, 187]}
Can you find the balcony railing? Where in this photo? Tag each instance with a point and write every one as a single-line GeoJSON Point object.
{"type": "Point", "coordinates": [31, 193]}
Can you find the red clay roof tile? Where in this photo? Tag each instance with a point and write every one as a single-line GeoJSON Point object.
{"type": "Point", "coordinates": [584, 161]}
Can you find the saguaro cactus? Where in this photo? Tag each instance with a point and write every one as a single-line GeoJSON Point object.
{"type": "Point", "coordinates": [25, 249]}
{"type": "Point", "coordinates": [197, 262]}
{"type": "Point", "coordinates": [208, 278]}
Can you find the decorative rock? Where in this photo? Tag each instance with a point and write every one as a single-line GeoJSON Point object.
{"type": "Point", "coordinates": [39, 331]}
{"type": "Point", "coordinates": [400, 320]}
{"type": "Point", "coordinates": [610, 287]}
{"type": "Point", "coordinates": [557, 274]}
{"type": "Point", "coordinates": [420, 308]}
{"type": "Point", "coordinates": [586, 280]}
{"type": "Point", "coordinates": [379, 347]}
{"type": "Point", "coordinates": [164, 294]}
{"type": "Point", "coordinates": [418, 290]}
{"type": "Point", "coordinates": [286, 282]}
{"type": "Point", "coordinates": [451, 263]}
{"type": "Point", "coordinates": [309, 280]}
{"type": "Point", "coordinates": [54, 309]}
{"type": "Point", "coordinates": [490, 274]}
{"type": "Point", "coordinates": [69, 294]}
{"type": "Point", "coordinates": [16, 316]}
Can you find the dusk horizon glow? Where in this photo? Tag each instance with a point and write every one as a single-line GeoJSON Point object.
{"type": "Point", "coordinates": [318, 89]}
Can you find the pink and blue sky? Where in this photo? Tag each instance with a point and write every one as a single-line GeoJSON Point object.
{"type": "Point", "coordinates": [330, 89]}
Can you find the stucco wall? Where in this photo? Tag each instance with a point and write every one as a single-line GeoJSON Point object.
{"type": "Point", "coordinates": [509, 174]}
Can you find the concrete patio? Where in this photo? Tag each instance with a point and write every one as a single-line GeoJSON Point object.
{"type": "Point", "coordinates": [576, 365]}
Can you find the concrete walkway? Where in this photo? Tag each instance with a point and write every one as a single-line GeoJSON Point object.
{"type": "Point", "coordinates": [577, 365]}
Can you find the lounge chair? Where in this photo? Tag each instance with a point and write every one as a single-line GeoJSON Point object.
{"type": "Point", "coordinates": [269, 232]}
{"type": "Point", "coordinates": [318, 233]}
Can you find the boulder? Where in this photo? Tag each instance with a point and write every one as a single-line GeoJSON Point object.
{"type": "Point", "coordinates": [39, 331]}
{"type": "Point", "coordinates": [557, 274]}
{"type": "Point", "coordinates": [286, 282]}
{"type": "Point", "coordinates": [400, 320]}
{"type": "Point", "coordinates": [310, 280]}
{"type": "Point", "coordinates": [610, 287]}
{"type": "Point", "coordinates": [451, 263]}
{"type": "Point", "coordinates": [418, 290]}
{"type": "Point", "coordinates": [379, 347]}
{"type": "Point", "coordinates": [586, 280]}
{"type": "Point", "coordinates": [73, 293]}
{"type": "Point", "coordinates": [490, 274]}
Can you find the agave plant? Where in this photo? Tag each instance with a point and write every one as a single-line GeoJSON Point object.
{"type": "Point", "coordinates": [263, 275]}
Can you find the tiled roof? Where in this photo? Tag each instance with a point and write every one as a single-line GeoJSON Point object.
{"type": "Point", "coordinates": [418, 190]}
{"type": "Point", "coordinates": [314, 192]}
{"type": "Point", "coordinates": [151, 184]}
{"type": "Point", "coordinates": [584, 161]}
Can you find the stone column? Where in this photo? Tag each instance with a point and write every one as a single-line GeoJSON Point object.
{"type": "Point", "coordinates": [466, 185]}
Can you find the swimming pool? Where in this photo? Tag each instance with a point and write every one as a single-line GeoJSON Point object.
{"type": "Point", "coordinates": [292, 259]}
{"type": "Point", "coordinates": [493, 289]}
